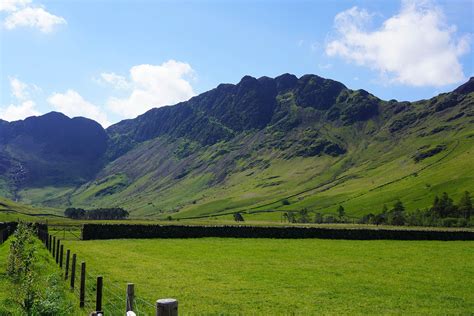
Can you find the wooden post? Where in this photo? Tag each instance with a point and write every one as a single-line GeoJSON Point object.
{"type": "Point", "coordinates": [130, 296]}
{"type": "Point", "coordinates": [49, 243]}
{"type": "Point", "coordinates": [68, 253]}
{"type": "Point", "coordinates": [73, 271]}
{"type": "Point", "coordinates": [53, 246]}
{"type": "Point", "coordinates": [167, 307]}
{"type": "Point", "coordinates": [98, 297]}
{"type": "Point", "coordinates": [61, 256]}
{"type": "Point", "coordinates": [57, 250]}
{"type": "Point", "coordinates": [82, 289]}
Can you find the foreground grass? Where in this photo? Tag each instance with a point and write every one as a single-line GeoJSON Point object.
{"type": "Point", "coordinates": [266, 276]}
{"type": "Point", "coordinates": [46, 269]}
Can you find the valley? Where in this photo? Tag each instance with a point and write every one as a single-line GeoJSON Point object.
{"type": "Point", "coordinates": [247, 147]}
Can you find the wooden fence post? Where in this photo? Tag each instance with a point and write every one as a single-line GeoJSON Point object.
{"type": "Point", "coordinates": [73, 271]}
{"type": "Point", "coordinates": [82, 289]}
{"type": "Point", "coordinates": [167, 307]}
{"type": "Point", "coordinates": [49, 242]}
{"type": "Point", "coordinates": [61, 256]}
{"type": "Point", "coordinates": [68, 253]}
{"type": "Point", "coordinates": [58, 242]}
{"type": "Point", "coordinates": [98, 297]}
{"type": "Point", "coordinates": [54, 245]}
{"type": "Point", "coordinates": [130, 296]}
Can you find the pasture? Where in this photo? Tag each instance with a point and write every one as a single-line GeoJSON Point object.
{"type": "Point", "coordinates": [269, 276]}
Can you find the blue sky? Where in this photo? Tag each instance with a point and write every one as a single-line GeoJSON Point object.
{"type": "Point", "coordinates": [110, 60]}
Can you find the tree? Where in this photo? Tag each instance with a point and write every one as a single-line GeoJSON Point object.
{"type": "Point", "coordinates": [447, 207]}
{"type": "Point", "coordinates": [396, 216]}
{"type": "Point", "coordinates": [436, 208]}
{"type": "Point", "coordinates": [341, 212]}
{"type": "Point", "coordinates": [318, 218]}
{"type": "Point", "coordinates": [465, 205]}
{"type": "Point", "coordinates": [238, 217]}
{"type": "Point", "coordinates": [290, 216]}
{"type": "Point", "coordinates": [398, 207]}
{"type": "Point", "coordinates": [304, 216]}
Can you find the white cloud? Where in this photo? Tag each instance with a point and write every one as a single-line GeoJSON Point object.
{"type": "Point", "coordinates": [18, 88]}
{"type": "Point", "coordinates": [73, 104]}
{"type": "Point", "coordinates": [22, 14]}
{"type": "Point", "coordinates": [153, 86]}
{"type": "Point", "coordinates": [415, 47]}
{"type": "Point", "coordinates": [12, 5]}
{"type": "Point", "coordinates": [19, 112]}
{"type": "Point", "coordinates": [117, 81]}
{"type": "Point", "coordinates": [26, 107]}
{"type": "Point", "coordinates": [33, 17]}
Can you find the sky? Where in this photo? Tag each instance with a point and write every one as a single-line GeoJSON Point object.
{"type": "Point", "coordinates": [112, 60]}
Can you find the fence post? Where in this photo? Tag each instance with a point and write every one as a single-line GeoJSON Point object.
{"type": "Point", "coordinates": [68, 253]}
{"type": "Point", "coordinates": [53, 246]}
{"type": "Point", "coordinates": [61, 256]}
{"type": "Point", "coordinates": [130, 296]}
{"type": "Point", "coordinates": [50, 239]}
{"type": "Point", "coordinates": [73, 271]}
{"type": "Point", "coordinates": [82, 290]}
{"type": "Point", "coordinates": [167, 307]}
{"type": "Point", "coordinates": [57, 250]}
{"type": "Point", "coordinates": [98, 298]}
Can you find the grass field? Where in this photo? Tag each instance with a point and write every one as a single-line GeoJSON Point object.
{"type": "Point", "coordinates": [271, 277]}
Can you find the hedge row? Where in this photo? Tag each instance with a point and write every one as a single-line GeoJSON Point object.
{"type": "Point", "coordinates": [111, 231]}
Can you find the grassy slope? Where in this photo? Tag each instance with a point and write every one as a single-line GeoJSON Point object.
{"type": "Point", "coordinates": [265, 276]}
{"type": "Point", "coordinates": [13, 211]}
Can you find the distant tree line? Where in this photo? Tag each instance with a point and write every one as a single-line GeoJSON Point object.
{"type": "Point", "coordinates": [99, 213]}
{"type": "Point", "coordinates": [444, 212]}
{"type": "Point", "coordinates": [304, 216]}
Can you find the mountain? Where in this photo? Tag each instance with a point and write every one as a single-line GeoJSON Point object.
{"type": "Point", "coordinates": [50, 150]}
{"type": "Point", "coordinates": [309, 142]}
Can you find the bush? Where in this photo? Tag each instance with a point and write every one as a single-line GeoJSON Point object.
{"type": "Point", "coordinates": [238, 217]}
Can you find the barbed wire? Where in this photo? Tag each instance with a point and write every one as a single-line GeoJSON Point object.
{"type": "Point", "coordinates": [143, 301]}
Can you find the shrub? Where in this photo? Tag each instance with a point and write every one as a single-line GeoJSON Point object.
{"type": "Point", "coordinates": [238, 217]}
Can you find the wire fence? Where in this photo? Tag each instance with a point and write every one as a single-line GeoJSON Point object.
{"type": "Point", "coordinates": [114, 296]}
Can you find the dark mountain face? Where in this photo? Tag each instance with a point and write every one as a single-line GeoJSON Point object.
{"type": "Point", "coordinates": [51, 150]}
{"type": "Point", "coordinates": [229, 109]}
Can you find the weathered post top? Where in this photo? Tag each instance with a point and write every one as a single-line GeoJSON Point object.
{"type": "Point", "coordinates": [167, 307]}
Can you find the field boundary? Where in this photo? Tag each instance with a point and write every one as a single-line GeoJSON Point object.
{"type": "Point", "coordinates": [125, 231]}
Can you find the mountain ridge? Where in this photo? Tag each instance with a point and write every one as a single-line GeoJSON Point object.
{"type": "Point", "coordinates": [207, 145]}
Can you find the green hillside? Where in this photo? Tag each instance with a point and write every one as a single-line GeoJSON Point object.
{"type": "Point", "coordinates": [309, 142]}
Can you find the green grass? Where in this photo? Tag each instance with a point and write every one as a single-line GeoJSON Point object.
{"type": "Point", "coordinates": [272, 277]}
{"type": "Point", "coordinates": [45, 267]}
